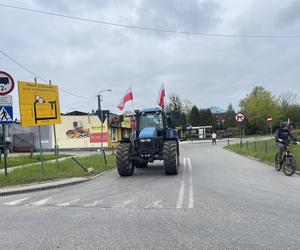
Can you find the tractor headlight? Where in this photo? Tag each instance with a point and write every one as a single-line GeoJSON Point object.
{"type": "Point", "coordinates": [145, 140]}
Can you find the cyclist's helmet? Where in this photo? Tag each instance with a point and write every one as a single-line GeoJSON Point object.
{"type": "Point", "coordinates": [287, 126]}
{"type": "Point", "coordinates": [291, 125]}
{"type": "Point", "coordinates": [284, 126]}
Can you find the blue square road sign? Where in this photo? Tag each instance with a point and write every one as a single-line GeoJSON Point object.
{"type": "Point", "coordinates": [6, 114]}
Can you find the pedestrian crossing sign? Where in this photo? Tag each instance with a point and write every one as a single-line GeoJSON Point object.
{"type": "Point", "coordinates": [6, 114]}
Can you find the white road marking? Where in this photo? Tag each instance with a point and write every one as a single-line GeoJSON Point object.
{"type": "Point", "coordinates": [155, 204]}
{"type": "Point", "coordinates": [65, 204]}
{"type": "Point", "coordinates": [191, 191]}
{"type": "Point", "coordinates": [93, 204]}
{"type": "Point", "coordinates": [123, 204]}
{"type": "Point", "coordinates": [16, 202]}
{"type": "Point", "coordinates": [181, 191]}
{"type": "Point", "coordinates": [40, 203]}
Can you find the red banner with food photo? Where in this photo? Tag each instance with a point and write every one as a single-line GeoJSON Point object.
{"type": "Point", "coordinates": [98, 137]}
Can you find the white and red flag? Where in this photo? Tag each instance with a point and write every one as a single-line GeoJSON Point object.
{"type": "Point", "coordinates": [161, 96]}
{"type": "Point", "coordinates": [127, 97]}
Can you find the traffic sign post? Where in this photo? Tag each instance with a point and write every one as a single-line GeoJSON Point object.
{"type": "Point", "coordinates": [269, 120]}
{"type": "Point", "coordinates": [40, 137]}
{"type": "Point", "coordinates": [7, 85]}
{"type": "Point", "coordinates": [55, 139]}
{"type": "Point", "coordinates": [39, 104]}
{"type": "Point", "coordinates": [6, 117]}
{"type": "Point", "coordinates": [240, 118]}
{"type": "Point", "coordinates": [4, 149]}
{"type": "Point", "coordinates": [6, 109]}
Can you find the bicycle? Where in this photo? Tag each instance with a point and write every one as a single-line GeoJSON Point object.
{"type": "Point", "coordinates": [288, 163]}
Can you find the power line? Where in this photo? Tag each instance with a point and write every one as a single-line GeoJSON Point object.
{"type": "Point", "coordinates": [22, 66]}
{"type": "Point", "coordinates": [143, 27]}
{"type": "Point", "coordinates": [38, 76]}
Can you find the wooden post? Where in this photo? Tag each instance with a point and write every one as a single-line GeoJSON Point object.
{"type": "Point", "coordinates": [266, 147]}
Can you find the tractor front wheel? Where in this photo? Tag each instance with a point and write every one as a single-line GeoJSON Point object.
{"type": "Point", "coordinates": [125, 165]}
{"type": "Point", "coordinates": [170, 157]}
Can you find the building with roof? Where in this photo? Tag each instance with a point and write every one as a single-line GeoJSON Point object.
{"type": "Point", "coordinates": [219, 113]}
{"type": "Point", "coordinates": [78, 130]}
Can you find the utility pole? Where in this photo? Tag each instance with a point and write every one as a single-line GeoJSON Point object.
{"type": "Point", "coordinates": [101, 119]}
{"type": "Point", "coordinates": [99, 96]}
{"type": "Point", "coordinates": [99, 102]}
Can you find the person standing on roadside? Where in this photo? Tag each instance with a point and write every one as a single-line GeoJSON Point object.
{"type": "Point", "coordinates": [214, 138]}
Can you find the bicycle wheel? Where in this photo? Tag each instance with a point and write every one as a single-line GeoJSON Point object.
{"type": "Point", "coordinates": [289, 165]}
{"type": "Point", "coordinates": [278, 163]}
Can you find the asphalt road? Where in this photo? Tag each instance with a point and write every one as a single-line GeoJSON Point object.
{"type": "Point", "coordinates": [219, 200]}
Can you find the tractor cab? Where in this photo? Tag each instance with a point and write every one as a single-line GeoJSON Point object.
{"type": "Point", "coordinates": [152, 118]}
{"type": "Point", "coordinates": [150, 133]}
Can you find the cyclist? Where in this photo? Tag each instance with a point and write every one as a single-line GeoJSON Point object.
{"type": "Point", "coordinates": [283, 136]}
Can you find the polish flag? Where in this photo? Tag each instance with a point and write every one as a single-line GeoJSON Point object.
{"type": "Point", "coordinates": [127, 97]}
{"type": "Point", "coordinates": [161, 96]}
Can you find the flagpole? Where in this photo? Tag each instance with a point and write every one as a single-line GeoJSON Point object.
{"type": "Point", "coordinates": [132, 115]}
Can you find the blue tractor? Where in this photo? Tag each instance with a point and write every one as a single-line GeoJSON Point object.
{"type": "Point", "coordinates": [152, 140]}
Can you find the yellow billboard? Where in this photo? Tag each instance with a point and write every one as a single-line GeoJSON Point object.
{"type": "Point", "coordinates": [126, 123]}
{"type": "Point", "coordinates": [39, 104]}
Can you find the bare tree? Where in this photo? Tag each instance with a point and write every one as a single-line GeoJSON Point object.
{"type": "Point", "coordinates": [287, 98]}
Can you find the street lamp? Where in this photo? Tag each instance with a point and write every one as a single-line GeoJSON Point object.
{"type": "Point", "coordinates": [101, 113]}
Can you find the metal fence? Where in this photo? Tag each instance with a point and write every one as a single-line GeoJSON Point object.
{"type": "Point", "coordinates": [260, 146]}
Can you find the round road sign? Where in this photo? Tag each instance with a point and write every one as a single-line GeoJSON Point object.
{"type": "Point", "coordinates": [7, 83]}
{"type": "Point", "coordinates": [239, 117]}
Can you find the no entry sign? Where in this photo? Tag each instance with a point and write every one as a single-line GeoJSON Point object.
{"type": "Point", "coordinates": [7, 83]}
{"type": "Point", "coordinates": [269, 119]}
{"type": "Point", "coordinates": [239, 117]}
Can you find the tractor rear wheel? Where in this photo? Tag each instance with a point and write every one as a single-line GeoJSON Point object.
{"type": "Point", "coordinates": [170, 157]}
{"type": "Point", "coordinates": [125, 165]}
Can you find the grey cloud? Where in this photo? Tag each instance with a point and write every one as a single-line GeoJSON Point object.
{"type": "Point", "coordinates": [290, 15]}
{"type": "Point", "coordinates": [84, 58]}
{"type": "Point", "coordinates": [190, 15]}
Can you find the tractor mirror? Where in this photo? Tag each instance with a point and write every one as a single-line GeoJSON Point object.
{"type": "Point", "coordinates": [168, 120]}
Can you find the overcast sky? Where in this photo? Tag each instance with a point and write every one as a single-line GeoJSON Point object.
{"type": "Point", "coordinates": [84, 58]}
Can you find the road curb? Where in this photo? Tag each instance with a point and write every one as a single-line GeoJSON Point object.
{"type": "Point", "coordinates": [265, 162]}
{"type": "Point", "coordinates": [257, 159]}
{"type": "Point", "coordinates": [52, 185]}
{"type": "Point", "coordinates": [26, 189]}
{"type": "Point", "coordinates": [103, 173]}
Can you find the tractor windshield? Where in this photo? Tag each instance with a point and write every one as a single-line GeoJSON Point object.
{"type": "Point", "coordinates": [153, 119]}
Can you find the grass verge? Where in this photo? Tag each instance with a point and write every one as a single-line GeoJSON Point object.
{"type": "Point", "coordinates": [67, 168]}
{"type": "Point", "coordinates": [13, 161]}
{"type": "Point", "coordinates": [263, 150]}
